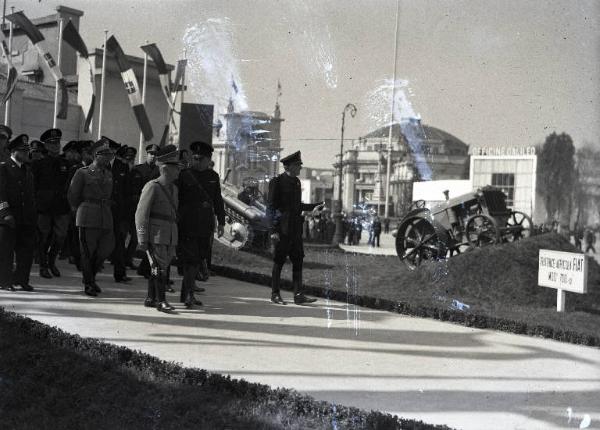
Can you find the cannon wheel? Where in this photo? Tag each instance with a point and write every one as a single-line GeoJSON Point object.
{"type": "Point", "coordinates": [521, 220]}
{"type": "Point", "coordinates": [481, 230]}
{"type": "Point", "coordinates": [418, 240]}
{"type": "Point", "coordinates": [236, 235]}
{"type": "Point", "coordinates": [417, 204]}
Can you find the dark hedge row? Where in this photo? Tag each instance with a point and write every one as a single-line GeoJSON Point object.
{"type": "Point", "coordinates": [460, 317]}
{"type": "Point", "coordinates": [278, 402]}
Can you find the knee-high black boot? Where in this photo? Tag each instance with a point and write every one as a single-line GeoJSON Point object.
{"type": "Point", "coordinates": [151, 294]}
{"type": "Point", "coordinates": [276, 278]}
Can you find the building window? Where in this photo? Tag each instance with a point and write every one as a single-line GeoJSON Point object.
{"type": "Point", "coordinates": [506, 182]}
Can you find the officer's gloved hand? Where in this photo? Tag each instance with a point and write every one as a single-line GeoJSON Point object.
{"type": "Point", "coordinates": [220, 230]}
{"type": "Point", "coordinates": [275, 237]}
{"type": "Point", "coordinates": [319, 207]}
{"type": "Point", "coordinates": [143, 247]}
{"type": "Point", "coordinates": [10, 221]}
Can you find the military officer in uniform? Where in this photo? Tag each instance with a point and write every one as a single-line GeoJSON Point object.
{"type": "Point", "coordinates": [200, 201]}
{"type": "Point", "coordinates": [90, 196]}
{"type": "Point", "coordinates": [156, 224]}
{"type": "Point", "coordinates": [5, 135]}
{"type": "Point", "coordinates": [18, 217]}
{"type": "Point", "coordinates": [51, 175]}
{"type": "Point", "coordinates": [120, 175]}
{"type": "Point", "coordinates": [139, 176]}
{"type": "Point", "coordinates": [285, 212]}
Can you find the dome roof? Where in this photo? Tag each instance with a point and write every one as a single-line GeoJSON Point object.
{"type": "Point", "coordinates": [427, 134]}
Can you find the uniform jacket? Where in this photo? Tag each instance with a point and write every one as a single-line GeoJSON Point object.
{"type": "Point", "coordinates": [200, 200]}
{"type": "Point", "coordinates": [17, 193]}
{"type": "Point", "coordinates": [285, 206]}
{"type": "Point", "coordinates": [156, 214]}
{"type": "Point", "coordinates": [51, 182]}
{"type": "Point", "coordinates": [139, 176]}
{"type": "Point", "coordinates": [120, 191]}
{"type": "Point", "coordinates": [90, 193]}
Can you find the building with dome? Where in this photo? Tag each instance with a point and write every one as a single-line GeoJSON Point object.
{"type": "Point", "coordinates": [419, 153]}
{"type": "Point", "coordinates": [248, 146]}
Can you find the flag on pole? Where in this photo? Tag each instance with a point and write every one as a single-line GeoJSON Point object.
{"type": "Point", "coordinates": [72, 37]}
{"type": "Point", "coordinates": [279, 93]}
{"type": "Point", "coordinates": [132, 87]}
{"type": "Point", "coordinates": [177, 87]}
{"type": "Point", "coordinates": [163, 73]}
{"type": "Point", "coordinates": [233, 85]}
{"type": "Point", "coordinates": [11, 79]}
{"type": "Point", "coordinates": [19, 19]}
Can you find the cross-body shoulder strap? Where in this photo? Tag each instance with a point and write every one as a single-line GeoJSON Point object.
{"type": "Point", "coordinates": [169, 198]}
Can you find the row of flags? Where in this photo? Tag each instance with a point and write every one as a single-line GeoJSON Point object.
{"type": "Point", "coordinates": [71, 36]}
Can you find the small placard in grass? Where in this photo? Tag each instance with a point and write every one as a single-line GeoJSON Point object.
{"type": "Point", "coordinates": [564, 271]}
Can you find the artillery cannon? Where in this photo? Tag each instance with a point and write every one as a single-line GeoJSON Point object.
{"type": "Point", "coordinates": [246, 220]}
{"type": "Point", "coordinates": [462, 223]}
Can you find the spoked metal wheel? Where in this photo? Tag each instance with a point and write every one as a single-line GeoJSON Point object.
{"type": "Point", "coordinates": [518, 226]}
{"type": "Point", "coordinates": [482, 231]}
{"type": "Point", "coordinates": [418, 241]}
{"type": "Point", "coordinates": [236, 235]}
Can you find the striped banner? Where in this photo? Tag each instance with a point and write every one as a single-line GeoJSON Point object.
{"type": "Point", "coordinates": [131, 86]}
{"type": "Point", "coordinates": [20, 20]}
{"type": "Point", "coordinates": [177, 87]}
{"type": "Point", "coordinates": [73, 38]}
{"type": "Point", "coordinates": [11, 79]}
{"type": "Point", "coordinates": [163, 73]}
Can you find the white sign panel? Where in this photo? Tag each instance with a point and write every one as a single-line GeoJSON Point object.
{"type": "Point", "coordinates": [563, 271]}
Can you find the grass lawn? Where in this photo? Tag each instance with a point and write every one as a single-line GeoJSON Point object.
{"type": "Point", "coordinates": [498, 281]}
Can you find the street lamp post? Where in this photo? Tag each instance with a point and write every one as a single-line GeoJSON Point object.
{"type": "Point", "coordinates": [338, 237]}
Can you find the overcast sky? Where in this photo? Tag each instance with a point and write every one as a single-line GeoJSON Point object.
{"type": "Point", "coordinates": [490, 72]}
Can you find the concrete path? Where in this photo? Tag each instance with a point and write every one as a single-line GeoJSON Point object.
{"type": "Point", "coordinates": [416, 368]}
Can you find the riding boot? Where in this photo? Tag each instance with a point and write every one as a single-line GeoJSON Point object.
{"type": "Point", "coordinates": [187, 284]}
{"type": "Point", "coordinates": [150, 301]}
{"type": "Point", "coordinates": [297, 282]}
{"type": "Point", "coordinates": [52, 254]}
{"type": "Point", "coordinates": [276, 278]}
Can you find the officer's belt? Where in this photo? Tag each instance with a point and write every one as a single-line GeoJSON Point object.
{"type": "Point", "coordinates": [162, 217]}
{"type": "Point", "coordinates": [99, 201]}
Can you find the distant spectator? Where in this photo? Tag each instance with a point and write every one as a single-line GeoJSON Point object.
{"type": "Point", "coordinates": [386, 225]}
{"type": "Point", "coordinates": [590, 240]}
{"type": "Point", "coordinates": [376, 227]}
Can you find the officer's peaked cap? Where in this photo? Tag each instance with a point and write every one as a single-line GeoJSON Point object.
{"type": "Point", "coordinates": [152, 149]}
{"type": "Point", "coordinates": [5, 130]}
{"type": "Point", "coordinates": [51, 134]}
{"type": "Point", "coordinates": [168, 155]}
{"type": "Point", "coordinates": [71, 146]}
{"type": "Point", "coordinates": [113, 144]}
{"type": "Point", "coordinates": [101, 147]}
{"type": "Point", "coordinates": [19, 142]}
{"type": "Point", "coordinates": [201, 148]}
{"type": "Point", "coordinates": [292, 158]}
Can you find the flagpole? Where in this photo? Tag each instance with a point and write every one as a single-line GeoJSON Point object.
{"type": "Point", "coordinates": [60, 30]}
{"type": "Point", "coordinates": [102, 85]}
{"type": "Point", "coordinates": [389, 160]}
{"type": "Point", "coordinates": [141, 145]}
{"type": "Point", "coordinates": [9, 53]}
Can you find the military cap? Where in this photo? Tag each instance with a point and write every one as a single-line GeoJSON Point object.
{"type": "Point", "coordinates": [201, 148]}
{"type": "Point", "coordinates": [36, 145]}
{"type": "Point", "coordinates": [113, 144]}
{"type": "Point", "coordinates": [6, 131]}
{"type": "Point", "coordinates": [70, 146]}
{"type": "Point", "coordinates": [130, 151]}
{"type": "Point", "coordinates": [51, 134]}
{"type": "Point", "coordinates": [102, 147]}
{"type": "Point", "coordinates": [152, 149]}
{"type": "Point", "coordinates": [168, 155]}
{"type": "Point", "coordinates": [19, 142]}
{"type": "Point", "coordinates": [292, 158]}
{"type": "Point", "coordinates": [121, 151]}
{"type": "Point", "coordinates": [85, 144]}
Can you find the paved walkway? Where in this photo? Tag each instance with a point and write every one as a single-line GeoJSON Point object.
{"type": "Point", "coordinates": [416, 368]}
{"type": "Point", "coordinates": [387, 246]}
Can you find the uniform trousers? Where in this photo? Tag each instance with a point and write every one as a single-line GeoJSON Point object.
{"type": "Point", "coordinates": [292, 246]}
{"type": "Point", "coordinates": [118, 254]}
{"type": "Point", "coordinates": [53, 231]}
{"type": "Point", "coordinates": [162, 255]}
{"type": "Point", "coordinates": [17, 244]}
{"type": "Point", "coordinates": [96, 244]}
{"type": "Point", "coordinates": [192, 252]}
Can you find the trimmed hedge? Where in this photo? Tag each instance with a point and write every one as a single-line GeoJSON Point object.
{"type": "Point", "coordinates": [277, 402]}
{"type": "Point", "coordinates": [455, 316]}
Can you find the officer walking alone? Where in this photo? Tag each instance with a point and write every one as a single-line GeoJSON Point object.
{"type": "Point", "coordinates": [18, 217]}
{"type": "Point", "coordinates": [90, 195]}
{"type": "Point", "coordinates": [285, 211]}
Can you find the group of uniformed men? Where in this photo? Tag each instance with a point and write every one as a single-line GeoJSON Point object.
{"type": "Point", "coordinates": [93, 197]}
